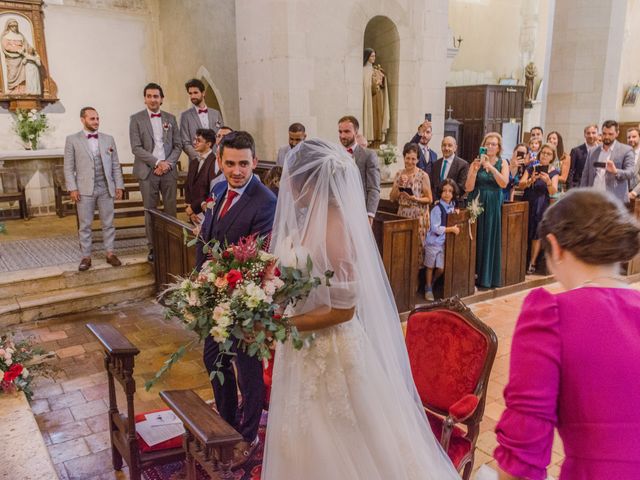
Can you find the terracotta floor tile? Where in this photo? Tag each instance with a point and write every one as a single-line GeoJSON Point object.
{"type": "Point", "coordinates": [62, 452]}
{"type": "Point", "coordinates": [65, 400]}
{"type": "Point", "coordinates": [89, 409]}
{"type": "Point", "coordinates": [47, 391]}
{"type": "Point", "coordinates": [98, 441]}
{"type": "Point", "coordinates": [98, 423]}
{"type": "Point", "coordinates": [95, 392]}
{"type": "Point", "coordinates": [70, 351]}
{"type": "Point", "coordinates": [78, 383]}
{"type": "Point", "coordinates": [88, 466]}
{"type": "Point", "coordinates": [48, 336]}
{"type": "Point", "coordinates": [49, 420]}
{"type": "Point", "coordinates": [68, 431]}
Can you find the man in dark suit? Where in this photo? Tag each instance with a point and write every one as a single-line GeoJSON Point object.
{"type": "Point", "coordinates": [366, 160]}
{"type": "Point", "coordinates": [426, 156]}
{"type": "Point", "coordinates": [580, 153]}
{"type": "Point", "coordinates": [242, 206]}
{"type": "Point", "coordinates": [197, 116]}
{"type": "Point", "coordinates": [449, 166]}
{"type": "Point", "coordinates": [200, 174]}
{"type": "Point", "coordinates": [155, 144]}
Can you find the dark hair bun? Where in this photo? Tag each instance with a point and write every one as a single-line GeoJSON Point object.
{"type": "Point", "coordinates": [594, 226]}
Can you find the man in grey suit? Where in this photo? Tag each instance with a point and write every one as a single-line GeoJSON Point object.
{"type": "Point", "coordinates": [366, 160]}
{"type": "Point", "coordinates": [93, 176]}
{"type": "Point", "coordinates": [196, 117]}
{"type": "Point", "coordinates": [156, 145]}
{"type": "Point", "coordinates": [610, 166]}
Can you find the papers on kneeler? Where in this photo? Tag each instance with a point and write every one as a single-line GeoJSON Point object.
{"type": "Point", "coordinates": [159, 427]}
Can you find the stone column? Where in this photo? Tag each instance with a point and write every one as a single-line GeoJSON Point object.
{"type": "Point", "coordinates": [585, 67]}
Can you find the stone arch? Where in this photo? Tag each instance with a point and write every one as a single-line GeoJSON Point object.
{"type": "Point", "coordinates": [381, 34]}
{"type": "Point", "coordinates": [212, 95]}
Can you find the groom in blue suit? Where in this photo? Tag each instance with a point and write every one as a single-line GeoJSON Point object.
{"type": "Point", "coordinates": [242, 206]}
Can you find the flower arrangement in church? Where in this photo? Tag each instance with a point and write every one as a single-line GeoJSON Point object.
{"type": "Point", "coordinates": [475, 209]}
{"type": "Point", "coordinates": [388, 153]}
{"type": "Point", "coordinates": [242, 293]}
{"type": "Point", "coordinates": [30, 125]}
{"type": "Point", "coordinates": [20, 362]}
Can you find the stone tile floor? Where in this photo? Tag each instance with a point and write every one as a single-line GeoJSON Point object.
{"type": "Point", "coordinates": [71, 411]}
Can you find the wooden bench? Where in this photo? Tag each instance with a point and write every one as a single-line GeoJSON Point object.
{"type": "Point", "coordinates": [119, 359]}
{"type": "Point", "coordinates": [12, 191]}
{"type": "Point", "coordinates": [208, 440]}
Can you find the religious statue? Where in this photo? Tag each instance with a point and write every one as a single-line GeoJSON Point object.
{"type": "Point", "coordinates": [375, 114]}
{"type": "Point", "coordinates": [22, 62]}
{"type": "Point", "coordinates": [530, 73]}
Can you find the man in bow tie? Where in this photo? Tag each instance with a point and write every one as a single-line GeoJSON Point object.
{"type": "Point", "coordinates": [366, 160]}
{"type": "Point", "coordinates": [197, 116]}
{"type": "Point", "coordinates": [94, 178]}
{"type": "Point", "coordinates": [156, 145]}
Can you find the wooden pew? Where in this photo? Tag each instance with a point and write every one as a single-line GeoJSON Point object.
{"type": "Point", "coordinates": [208, 440]}
{"type": "Point", "coordinates": [460, 257]}
{"type": "Point", "coordinates": [119, 359]}
{"type": "Point", "coordinates": [515, 228]}
{"type": "Point", "coordinates": [398, 243]}
{"type": "Point", "coordinates": [633, 267]}
{"type": "Point", "coordinates": [172, 256]}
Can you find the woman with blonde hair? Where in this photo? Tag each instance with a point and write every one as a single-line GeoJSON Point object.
{"type": "Point", "coordinates": [488, 175]}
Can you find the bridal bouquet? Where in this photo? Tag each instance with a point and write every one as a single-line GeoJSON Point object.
{"type": "Point", "coordinates": [241, 294]}
{"type": "Point", "coordinates": [15, 357]}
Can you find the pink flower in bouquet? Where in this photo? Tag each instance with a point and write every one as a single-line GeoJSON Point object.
{"type": "Point", "coordinates": [246, 248]}
{"type": "Point", "coordinates": [14, 372]}
{"type": "Point", "coordinates": [271, 271]}
{"type": "Point", "coordinates": [233, 277]}
{"type": "Point", "coordinates": [221, 282]}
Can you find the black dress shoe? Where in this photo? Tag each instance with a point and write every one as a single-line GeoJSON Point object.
{"type": "Point", "coordinates": [150, 256]}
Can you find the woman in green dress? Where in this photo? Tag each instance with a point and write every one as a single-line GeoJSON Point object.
{"type": "Point", "coordinates": [488, 175]}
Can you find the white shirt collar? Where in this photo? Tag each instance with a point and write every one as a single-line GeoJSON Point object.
{"type": "Point", "coordinates": [450, 159]}
{"type": "Point", "coordinates": [149, 112]}
{"type": "Point", "coordinates": [240, 190]}
{"type": "Point", "coordinates": [205, 155]}
{"type": "Point", "coordinates": [196, 108]}
{"type": "Point", "coordinates": [86, 132]}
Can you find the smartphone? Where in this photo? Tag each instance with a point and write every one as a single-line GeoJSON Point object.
{"type": "Point", "coordinates": [427, 117]}
{"type": "Point", "coordinates": [600, 164]}
{"type": "Point", "coordinates": [542, 168]}
{"type": "Point", "coordinates": [406, 190]}
{"type": "Point", "coordinates": [520, 154]}
{"type": "Point", "coordinates": [483, 151]}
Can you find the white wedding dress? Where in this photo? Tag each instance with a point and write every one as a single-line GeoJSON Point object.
{"type": "Point", "coordinates": [344, 407]}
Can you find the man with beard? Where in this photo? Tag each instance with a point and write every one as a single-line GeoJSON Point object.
{"type": "Point", "coordinates": [610, 165]}
{"type": "Point", "coordinates": [196, 117]}
{"type": "Point", "coordinates": [366, 160]}
{"type": "Point", "coordinates": [297, 134]}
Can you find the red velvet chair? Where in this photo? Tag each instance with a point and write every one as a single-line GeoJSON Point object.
{"type": "Point", "coordinates": [451, 354]}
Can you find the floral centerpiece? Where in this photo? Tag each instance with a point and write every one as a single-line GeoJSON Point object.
{"type": "Point", "coordinates": [30, 125]}
{"type": "Point", "coordinates": [387, 153]}
{"type": "Point", "coordinates": [240, 294]}
{"type": "Point", "coordinates": [19, 363]}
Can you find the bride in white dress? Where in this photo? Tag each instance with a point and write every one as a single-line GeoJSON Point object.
{"type": "Point", "coordinates": [344, 407]}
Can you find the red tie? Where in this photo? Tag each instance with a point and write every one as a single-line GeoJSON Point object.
{"type": "Point", "coordinates": [93, 135]}
{"type": "Point", "coordinates": [155, 115]}
{"type": "Point", "coordinates": [350, 150]}
{"type": "Point", "coordinates": [231, 194]}
{"type": "Point", "coordinates": [203, 110]}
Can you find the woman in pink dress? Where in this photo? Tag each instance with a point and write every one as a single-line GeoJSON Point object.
{"type": "Point", "coordinates": [575, 357]}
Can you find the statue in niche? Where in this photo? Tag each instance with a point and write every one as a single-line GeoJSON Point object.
{"type": "Point", "coordinates": [530, 73]}
{"type": "Point", "coordinates": [22, 62]}
{"type": "Point", "coordinates": [375, 114]}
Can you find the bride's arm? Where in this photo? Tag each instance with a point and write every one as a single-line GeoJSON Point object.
{"type": "Point", "coordinates": [319, 319]}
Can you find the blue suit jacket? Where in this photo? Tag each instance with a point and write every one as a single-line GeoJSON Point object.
{"type": "Point", "coordinates": [423, 163]}
{"type": "Point", "coordinates": [252, 213]}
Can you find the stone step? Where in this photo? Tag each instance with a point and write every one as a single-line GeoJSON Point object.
{"type": "Point", "coordinates": [59, 277]}
{"type": "Point", "coordinates": [38, 306]}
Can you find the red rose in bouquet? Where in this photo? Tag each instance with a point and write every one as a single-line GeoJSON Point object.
{"type": "Point", "coordinates": [233, 278]}
{"type": "Point", "coordinates": [14, 372]}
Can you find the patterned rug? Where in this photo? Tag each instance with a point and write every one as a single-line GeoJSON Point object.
{"type": "Point", "coordinates": [46, 252]}
{"type": "Point", "coordinates": [249, 471]}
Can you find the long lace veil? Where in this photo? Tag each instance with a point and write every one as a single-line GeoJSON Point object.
{"type": "Point", "coordinates": [321, 213]}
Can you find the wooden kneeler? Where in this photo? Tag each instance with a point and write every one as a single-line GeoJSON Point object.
{"type": "Point", "coordinates": [208, 440]}
{"type": "Point", "coordinates": [119, 355]}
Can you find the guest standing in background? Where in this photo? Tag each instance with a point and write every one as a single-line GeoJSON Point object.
{"type": "Point", "coordinates": [198, 116]}
{"type": "Point", "coordinates": [155, 143]}
{"type": "Point", "coordinates": [200, 174]}
{"type": "Point", "coordinates": [562, 163]}
{"type": "Point", "coordinates": [272, 179]}
{"type": "Point", "coordinates": [449, 166]}
{"type": "Point", "coordinates": [94, 178]}
{"type": "Point", "coordinates": [426, 156]}
{"type": "Point", "coordinates": [574, 356]}
{"type": "Point", "coordinates": [633, 140]}
{"type": "Point", "coordinates": [539, 185]}
{"type": "Point", "coordinates": [412, 190]}
{"type": "Point", "coordinates": [517, 166]}
{"type": "Point", "coordinates": [297, 134]}
{"type": "Point", "coordinates": [580, 153]}
{"type": "Point", "coordinates": [488, 175]}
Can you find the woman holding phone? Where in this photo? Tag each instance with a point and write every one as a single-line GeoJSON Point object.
{"type": "Point", "coordinates": [539, 182]}
{"type": "Point", "coordinates": [488, 175]}
{"type": "Point", "coordinates": [412, 190]}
